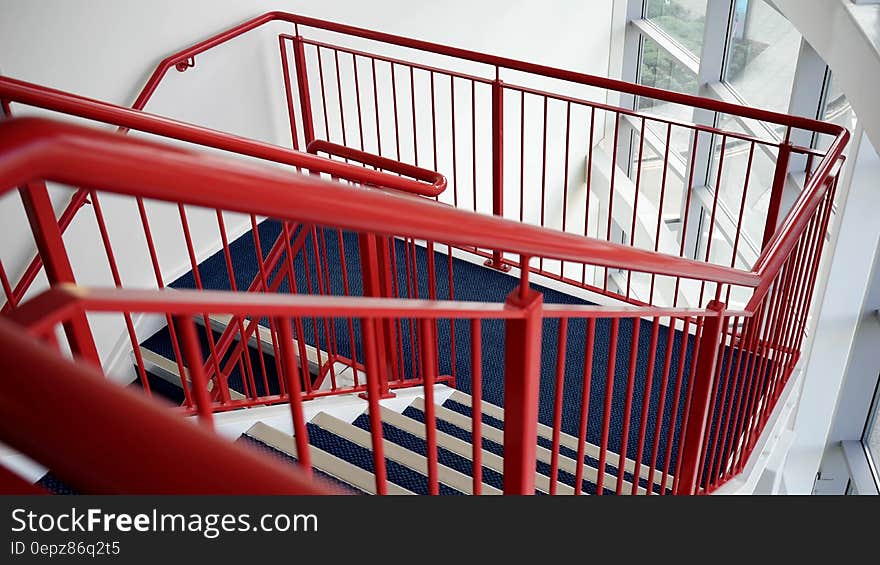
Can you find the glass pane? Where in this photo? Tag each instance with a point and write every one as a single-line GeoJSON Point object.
{"type": "Point", "coordinates": [872, 440]}
{"type": "Point", "coordinates": [651, 182]}
{"type": "Point", "coordinates": [683, 20]}
{"type": "Point", "coordinates": [763, 55]}
{"type": "Point", "coordinates": [838, 111]}
{"type": "Point", "coordinates": [733, 184]}
{"type": "Point", "coordinates": [659, 69]}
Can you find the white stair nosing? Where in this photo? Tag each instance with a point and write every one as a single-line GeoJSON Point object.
{"type": "Point", "coordinates": [167, 370]}
{"type": "Point", "coordinates": [465, 449]}
{"type": "Point", "coordinates": [543, 454]}
{"type": "Point", "coordinates": [566, 440]}
{"type": "Point", "coordinates": [445, 475]}
{"type": "Point", "coordinates": [321, 460]}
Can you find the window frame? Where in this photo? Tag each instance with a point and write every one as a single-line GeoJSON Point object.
{"type": "Point", "coordinates": [710, 66]}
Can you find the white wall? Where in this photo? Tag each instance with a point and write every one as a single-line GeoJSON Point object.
{"type": "Point", "coordinates": [857, 392]}
{"type": "Point", "coordinates": [841, 300]}
{"type": "Point", "coordinates": [107, 48]}
{"type": "Point", "coordinates": [846, 36]}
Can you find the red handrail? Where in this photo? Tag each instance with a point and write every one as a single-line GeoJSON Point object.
{"type": "Point", "coordinates": [36, 148]}
{"type": "Point", "coordinates": [427, 183]}
{"type": "Point", "coordinates": [772, 256]}
{"type": "Point", "coordinates": [32, 149]}
{"type": "Point", "coordinates": [783, 241]}
{"type": "Point", "coordinates": [171, 457]}
{"type": "Point", "coordinates": [182, 56]}
{"type": "Point", "coordinates": [436, 180]}
{"type": "Point", "coordinates": [46, 98]}
{"type": "Point", "coordinates": [54, 305]}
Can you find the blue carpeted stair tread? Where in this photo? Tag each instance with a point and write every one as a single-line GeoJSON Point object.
{"type": "Point", "coordinates": [54, 485]}
{"type": "Point", "coordinates": [564, 451]}
{"type": "Point", "coordinates": [363, 458]}
{"type": "Point", "coordinates": [161, 388]}
{"type": "Point", "coordinates": [472, 282]}
{"type": "Point", "coordinates": [160, 343]}
{"type": "Point", "coordinates": [498, 449]}
{"type": "Point", "coordinates": [287, 458]}
{"type": "Point", "coordinates": [420, 446]}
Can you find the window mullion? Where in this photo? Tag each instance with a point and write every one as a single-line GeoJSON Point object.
{"type": "Point", "coordinates": [668, 44]}
{"type": "Point", "coordinates": [711, 64]}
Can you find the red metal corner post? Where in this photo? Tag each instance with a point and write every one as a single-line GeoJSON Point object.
{"type": "Point", "coordinates": [776, 192]}
{"type": "Point", "coordinates": [372, 273]}
{"type": "Point", "coordinates": [192, 353]}
{"type": "Point", "coordinates": [522, 357]}
{"type": "Point", "coordinates": [290, 367]}
{"type": "Point", "coordinates": [497, 260]}
{"type": "Point", "coordinates": [704, 375]}
{"type": "Point", "coordinates": [50, 246]}
{"type": "Point", "coordinates": [302, 81]}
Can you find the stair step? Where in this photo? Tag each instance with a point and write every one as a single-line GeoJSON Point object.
{"type": "Point", "coordinates": [492, 452]}
{"type": "Point", "coordinates": [290, 460]}
{"type": "Point", "coordinates": [490, 461]}
{"type": "Point", "coordinates": [493, 482]}
{"type": "Point", "coordinates": [543, 454]}
{"type": "Point", "coordinates": [167, 370]}
{"type": "Point", "coordinates": [400, 454]}
{"type": "Point", "coordinates": [329, 464]}
{"type": "Point", "coordinates": [565, 440]}
{"type": "Point", "coordinates": [363, 457]}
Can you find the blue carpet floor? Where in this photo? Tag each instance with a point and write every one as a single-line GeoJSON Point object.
{"type": "Point", "coordinates": [475, 283]}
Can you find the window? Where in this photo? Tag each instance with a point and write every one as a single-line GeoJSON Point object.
{"type": "Point", "coordinates": [871, 437]}
{"type": "Point", "coordinates": [763, 55]}
{"type": "Point", "coordinates": [651, 183]}
{"type": "Point", "coordinates": [659, 69]}
{"type": "Point", "coordinates": [837, 110]}
{"type": "Point", "coordinates": [733, 183]}
{"type": "Point", "coordinates": [757, 51]}
{"type": "Point", "coordinates": [683, 20]}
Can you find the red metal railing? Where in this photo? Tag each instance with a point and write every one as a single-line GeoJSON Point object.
{"type": "Point", "coordinates": [690, 421]}
{"type": "Point", "coordinates": [130, 168]}
{"type": "Point", "coordinates": [164, 460]}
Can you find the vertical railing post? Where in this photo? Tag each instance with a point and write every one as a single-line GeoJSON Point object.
{"type": "Point", "coordinates": [497, 260]}
{"type": "Point", "coordinates": [302, 81]}
{"type": "Point", "coordinates": [427, 336]}
{"type": "Point", "coordinates": [290, 367]}
{"type": "Point", "coordinates": [56, 263]}
{"type": "Point", "coordinates": [373, 370]}
{"type": "Point", "coordinates": [288, 92]}
{"type": "Point", "coordinates": [371, 274]}
{"type": "Point", "coordinates": [522, 359]}
{"type": "Point", "coordinates": [694, 432]}
{"type": "Point", "coordinates": [192, 353]}
{"type": "Point", "coordinates": [386, 290]}
{"type": "Point", "coordinates": [776, 192]}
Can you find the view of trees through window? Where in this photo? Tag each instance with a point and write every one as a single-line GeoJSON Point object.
{"type": "Point", "coordinates": [683, 20]}
{"type": "Point", "coordinates": [661, 70]}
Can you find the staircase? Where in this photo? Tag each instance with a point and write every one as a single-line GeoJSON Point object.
{"type": "Point", "coordinates": [348, 304]}
{"type": "Point", "coordinates": [340, 449]}
{"type": "Point", "coordinates": [341, 441]}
